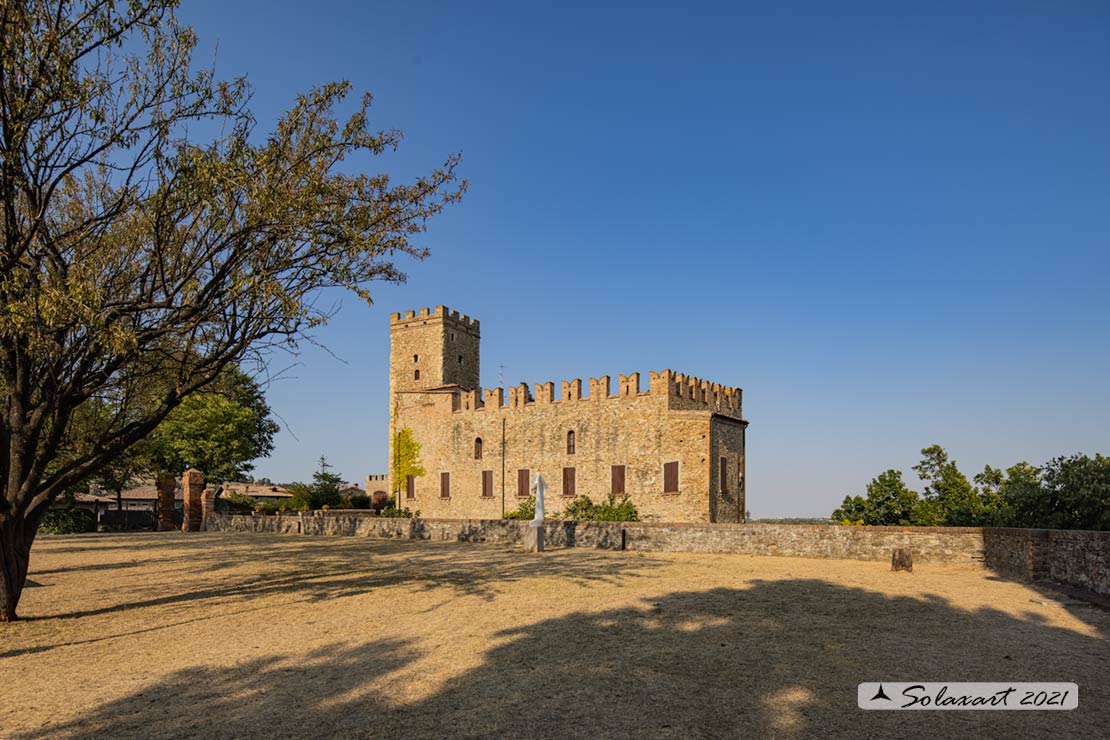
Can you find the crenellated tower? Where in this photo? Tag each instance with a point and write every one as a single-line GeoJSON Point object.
{"type": "Point", "coordinates": [432, 348]}
{"type": "Point", "coordinates": [675, 443]}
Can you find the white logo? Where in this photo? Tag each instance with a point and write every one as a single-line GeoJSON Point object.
{"type": "Point", "coordinates": [898, 695]}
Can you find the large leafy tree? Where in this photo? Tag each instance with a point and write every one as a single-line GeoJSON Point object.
{"type": "Point", "coordinates": [949, 498]}
{"type": "Point", "coordinates": [137, 262]}
{"type": "Point", "coordinates": [889, 501]}
{"type": "Point", "coordinates": [220, 430]}
{"type": "Point", "coordinates": [1067, 493]}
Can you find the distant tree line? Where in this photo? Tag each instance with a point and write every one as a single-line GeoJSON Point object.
{"type": "Point", "coordinates": [1064, 493]}
{"type": "Point", "coordinates": [324, 492]}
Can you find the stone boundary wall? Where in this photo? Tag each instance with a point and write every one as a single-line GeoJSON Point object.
{"type": "Point", "coordinates": [1073, 557]}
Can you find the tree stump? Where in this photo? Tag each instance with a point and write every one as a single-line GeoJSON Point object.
{"type": "Point", "coordinates": [902, 560]}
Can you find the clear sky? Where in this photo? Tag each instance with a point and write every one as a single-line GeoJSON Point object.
{"type": "Point", "coordinates": [888, 222]}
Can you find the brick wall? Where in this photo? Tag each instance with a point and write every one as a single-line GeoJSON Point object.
{"type": "Point", "coordinates": [1077, 558]}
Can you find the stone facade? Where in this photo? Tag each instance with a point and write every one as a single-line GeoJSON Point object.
{"type": "Point", "coordinates": [676, 448]}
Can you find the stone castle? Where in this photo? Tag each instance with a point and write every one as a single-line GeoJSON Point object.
{"type": "Point", "coordinates": [676, 449]}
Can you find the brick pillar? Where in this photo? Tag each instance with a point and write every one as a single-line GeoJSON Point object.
{"type": "Point", "coordinates": [207, 506]}
{"type": "Point", "coordinates": [192, 484]}
{"type": "Point", "coordinates": [166, 485]}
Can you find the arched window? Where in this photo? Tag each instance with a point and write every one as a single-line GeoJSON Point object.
{"type": "Point", "coordinates": [416, 375]}
{"type": "Point", "coordinates": [477, 448]}
{"type": "Point", "coordinates": [570, 442]}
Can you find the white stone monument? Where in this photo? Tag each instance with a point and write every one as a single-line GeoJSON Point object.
{"type": "Point", "coordinates": [533, 536]}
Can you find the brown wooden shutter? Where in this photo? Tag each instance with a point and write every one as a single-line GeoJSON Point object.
{"type": "Point", "coordinates": [523, 482]}
{"type": "Point", "coordinates": [487, 483]}
{"type": "Point", "coordinates": [568, 482]}
{"type": "Point", "coordinates": [670, 477]}
{"type": "Point", "coordinates": [618, 479]}
{"type": "Point", "coordinates": [724, 475]}
{"type": "Point", "coordinates": [410, 487]}
{"type": "Point", "coordinates": [445, 485]}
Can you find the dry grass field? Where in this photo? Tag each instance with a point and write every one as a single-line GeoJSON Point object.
{"type": "Point", "coordinates": [241, 636]}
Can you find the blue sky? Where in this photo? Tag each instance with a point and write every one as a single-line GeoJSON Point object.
{"type": "Point", "coordinates": [887, 223]}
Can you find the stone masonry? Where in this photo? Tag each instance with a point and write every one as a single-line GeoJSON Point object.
{"type": "Point", "coordinates": [676, 448]}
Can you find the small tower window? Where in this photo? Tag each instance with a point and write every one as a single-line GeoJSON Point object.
{"type": "Point", "coordinates": [416, 375]}
{"type": "Point", "coordinates": [478, 448]}
{"type": "Point", "coordinates": [416, 358]}
{"type": "Point", "coordinates": [460, 359]}
{"type": "Point", "coordinates": [570, 442]}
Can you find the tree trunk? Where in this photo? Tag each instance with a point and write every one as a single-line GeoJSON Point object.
{"type": "Point", "coordinates": [16, 536]}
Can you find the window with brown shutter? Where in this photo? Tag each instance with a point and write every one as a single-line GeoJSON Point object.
{"type": "Point", "coordinates": [487, 483]}
{"type": "Point", "coordinates": [670, 477]}
{"type": "Point", "coordinates": [445, 485]}
{"type": "Point", "coordinates": [410, 486]}
{"type": "Point", "coordinates": [568, 482]}
{"type": "Point", "coordinates": [724, 475]}
{"type": "Point", "coordinates": [618, 479]}
{"type": "Point", "coordinates": [523, 482]}
{"type": "Point", "coordinates": [477, 448]}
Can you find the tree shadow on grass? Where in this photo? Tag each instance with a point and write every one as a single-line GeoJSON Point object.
{"type": "Point", "coordinates": [314, 570]}
{"type": "Point", "coordinates": [776, 659]}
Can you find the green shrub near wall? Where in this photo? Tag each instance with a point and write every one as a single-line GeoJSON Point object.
{"type": "Point", "coordinates": [68, 521]}
{"type": "Point", "coordinates": [582, 509]}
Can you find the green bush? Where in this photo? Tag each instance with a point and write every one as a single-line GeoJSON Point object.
{"type": "Point", "coordinates": [270, 507]}
{"type": "Point", "coordinates": [526, 510]}
{"type": "Point", "coordinates": [395, 513]}
{"type": "Point", "coordinates": [582, 509]}
{"type": "Point", "coordinates": [238, 503]}
{"type": "Point", "coordinates": [67, 521]}
{"type": "Point", "coordinates": [392, 512]}
{"type": "Point", "coordinates": [579, 510]}
{"type": "Point", "coordinates": [354, 501]}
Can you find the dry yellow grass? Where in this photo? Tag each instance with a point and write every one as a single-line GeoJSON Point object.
{"type": "Point", "coordinates": [240, 635]}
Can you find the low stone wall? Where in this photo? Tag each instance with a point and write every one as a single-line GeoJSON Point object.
{"type": "Point", "coordinates": [1073, 557]}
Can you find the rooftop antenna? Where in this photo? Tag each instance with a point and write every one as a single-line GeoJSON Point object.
{"type": "Point", "coordinates": [501, 376]}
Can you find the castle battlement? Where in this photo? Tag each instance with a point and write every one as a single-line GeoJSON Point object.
{"type": "Point", "coordinates": [674, 442]}
{"type": "Point", "coordinates": [683, 392]}
{"type": "Point", "coordinates": [438, 312]}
